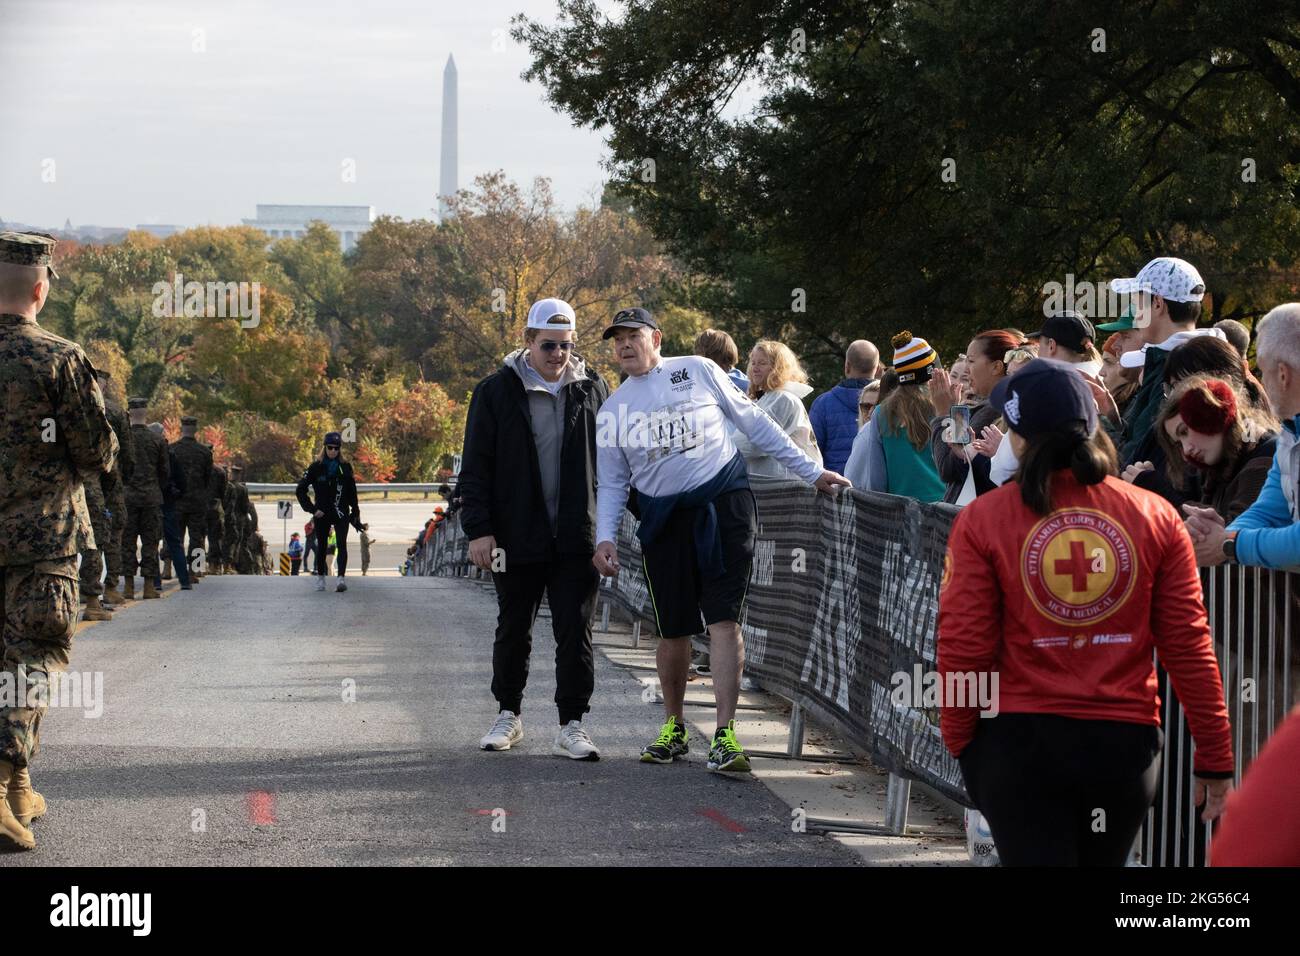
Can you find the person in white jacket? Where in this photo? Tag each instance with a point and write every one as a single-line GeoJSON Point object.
{"type": "Point", "coordinates": [663, 432]}
{"type": "Point", "coordinates": [778, 383]}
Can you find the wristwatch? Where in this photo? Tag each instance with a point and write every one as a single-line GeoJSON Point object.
{"type": "Point", "coordinates": [1230, 546]}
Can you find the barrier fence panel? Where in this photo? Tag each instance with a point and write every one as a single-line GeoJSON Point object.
{"type": "Point", "coordinates": [841, 618]}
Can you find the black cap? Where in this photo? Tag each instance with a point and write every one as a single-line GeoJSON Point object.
{"type": "Point", "coordinates": [1068, 328]}
{"type": "Point", "coordinates": [631, 319]}
{"type": "Point", "coordinates": [1043, 396]}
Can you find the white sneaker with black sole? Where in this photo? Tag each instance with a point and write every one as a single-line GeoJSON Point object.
{"type": "Point", "coordinates": [505, 733]}
{"type": "Point", "coordinates": [320, 583]}
{"type": "Point", "coordinates": [572, 742]}
{"type": "Point", "coordinates": [341, 586]}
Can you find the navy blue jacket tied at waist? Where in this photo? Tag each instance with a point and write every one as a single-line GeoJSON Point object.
{"type": "Point", "coordinates": [708, 540]}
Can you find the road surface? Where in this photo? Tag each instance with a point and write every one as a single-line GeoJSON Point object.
{"type": "Point", "coordinates": [227, 738]}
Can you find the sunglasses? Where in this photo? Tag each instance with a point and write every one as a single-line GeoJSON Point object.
{"type": "Point", "coordinates": [552, 346]}
{"type": "Point", "coordinates": [331, 447]}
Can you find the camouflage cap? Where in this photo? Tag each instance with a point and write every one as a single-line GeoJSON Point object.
{"type": "Point", "coordinates": [28, 249]}
{"type": "Point", "coordinates": [137, 403]}
{"type": "Point", "coordinates": [189, 421]}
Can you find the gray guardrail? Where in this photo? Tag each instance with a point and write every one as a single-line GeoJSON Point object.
{"type": "Point", "coordinates": [428, 487]}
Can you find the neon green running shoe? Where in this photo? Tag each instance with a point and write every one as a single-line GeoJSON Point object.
{"type": "Point", "coordinates": [726, 754]}
{"type": "Point", "coordinates": [670, 744]}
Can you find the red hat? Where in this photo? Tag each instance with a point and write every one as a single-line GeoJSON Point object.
{"type": "Point", "coordinates": [1207, 417]}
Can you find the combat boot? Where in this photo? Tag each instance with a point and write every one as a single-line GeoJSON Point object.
{"type": "Point", "coordinates": [167, 570]}
{"type": "Point", "coordinates": [112, 596]}
{"type": "Point", "coordinates": [128, 589]}
{"type": "Point", "coordinates": [95, 610]}
{"type": "Point", "coordinates": [150, 592]}
{"type": "Point", "coordinates": [27, 805]}
{"type": "Point", "coordinates": [13, 835]}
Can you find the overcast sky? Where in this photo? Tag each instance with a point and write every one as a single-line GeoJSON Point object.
{"type": "Point", "coordinates": [144, 129]}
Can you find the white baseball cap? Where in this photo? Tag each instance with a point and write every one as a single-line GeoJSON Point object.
{"type": "Point", "coordinates": [1167, 277]}
{"type": "Point", "coordinates": [554, 314]}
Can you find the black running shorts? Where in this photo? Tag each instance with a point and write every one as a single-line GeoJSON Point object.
{"type": "Point", "coordinates": [684, 601]}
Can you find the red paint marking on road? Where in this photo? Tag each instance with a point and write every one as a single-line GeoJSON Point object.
{"type": "Point", "coordinates": [721, 819]}
{"type": "Point", "coordinates": [261, 808]}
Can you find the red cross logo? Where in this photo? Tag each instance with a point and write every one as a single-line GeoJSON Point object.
{"type": "Point", "coordinates": [1077, 566]}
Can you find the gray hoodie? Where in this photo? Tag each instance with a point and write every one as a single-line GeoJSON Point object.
{"type": "Point", "coordinates": [546, 412]}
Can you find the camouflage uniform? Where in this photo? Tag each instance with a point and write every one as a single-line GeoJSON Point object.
{"type": "Point", "coordinates": [48, 384]}
{"type": "Point", "coordinates": [113, 484]}
{"type": "Point", "coordinates": [231, 541]}
{"type": "Point", "coordinates": [216, 518]}
{"type": "Point", "coordinates": [195, 460]}
{"type": "Point", "coordinates": [144, 500]}
{"type": "Point", "coordinates": [246, 519]}
{"type": "Point", "coordinates": [92, 557]}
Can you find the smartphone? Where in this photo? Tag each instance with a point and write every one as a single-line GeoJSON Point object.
{"type": "Point", "coordinates": [961, 432]}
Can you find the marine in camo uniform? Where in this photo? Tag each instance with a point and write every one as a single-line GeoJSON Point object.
{"type": "Point", "coordinates": [231, 541]}
{"type": "Point", "coordinates": [113, 484]}
{"type": "Point", "coordinates": [144, 501]}
{"type": "Point", "coordinates": [54, 436]}
{"type": "Point", "coordinates": [216, 518]}
{"type": "Point", "coordinates": [246, 561]}
{"type": "Point", "coordinates": [195, 460]}
{"type": "Point", "coordinates": [92, 551]}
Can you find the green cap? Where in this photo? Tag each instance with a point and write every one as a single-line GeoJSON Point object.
{"type": "Point", "coordinates": [1123, 324]}
{"type": "Point", "coordinates": [28, 249]}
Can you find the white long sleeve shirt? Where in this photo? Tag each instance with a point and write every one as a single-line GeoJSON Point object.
{"type": "Point", "coordinates": [665, 432]}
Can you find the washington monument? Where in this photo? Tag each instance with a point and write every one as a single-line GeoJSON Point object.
{"type": "Point", "coordinates": [447, 174]}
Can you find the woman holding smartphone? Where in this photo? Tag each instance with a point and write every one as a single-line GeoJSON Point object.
{"type": "Point", "coordinates": [335, 507]}
{"type": "Point", "coordinates": [949, 440]}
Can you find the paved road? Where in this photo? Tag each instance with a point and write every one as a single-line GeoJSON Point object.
{"type": "Point", "coordinates": [225, 739]}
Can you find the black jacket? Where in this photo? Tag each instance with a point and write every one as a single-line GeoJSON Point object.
{"type": "Point", "coordinates": [176, 484]}
{"type": "Point", "coordinates": [500, 479]}
{"type": "Point", "coordinates": [336, 496]}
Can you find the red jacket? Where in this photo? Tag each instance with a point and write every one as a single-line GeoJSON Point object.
{"type": "Point", "coordinates": [1261, 824]}
{"type": "Point", "coordinates": [1065, 611]}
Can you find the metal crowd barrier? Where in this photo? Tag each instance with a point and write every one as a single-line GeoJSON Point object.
{"type": "Point", "coordinates": [1250, 612]}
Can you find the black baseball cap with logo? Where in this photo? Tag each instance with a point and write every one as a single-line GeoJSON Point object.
{"type": "Point", "coordinates": [1068, 329]}
{"type": "Point", "coordinates": [631, 319]}
{"type": "Point", "coordinates": [1044, 396]}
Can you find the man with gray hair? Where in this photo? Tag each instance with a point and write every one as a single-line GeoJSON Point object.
{"type": "Point", "coordinates": [834, 414]}
{"type": "Point", "coordinates": [1267, 534]}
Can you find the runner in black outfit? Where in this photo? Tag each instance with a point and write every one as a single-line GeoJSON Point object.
{"type": "Point", "coordinates": [335, 507]}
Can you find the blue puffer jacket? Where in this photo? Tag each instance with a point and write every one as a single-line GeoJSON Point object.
{"type": "Point", "coordinates": [834, 416]}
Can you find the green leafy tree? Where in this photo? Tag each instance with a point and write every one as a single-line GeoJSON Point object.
{"type": "Point", "coordinates": [933, 165]}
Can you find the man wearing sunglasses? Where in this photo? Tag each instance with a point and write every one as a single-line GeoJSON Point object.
{"type": "Point", "coordinates": [528, 488]}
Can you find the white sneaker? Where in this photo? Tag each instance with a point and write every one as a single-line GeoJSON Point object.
{"type": "Point", "coordinates": [507, 731]}
{"type": "Point", "coordinates": [341, 586]}
{"type": "Point", "coordinates": [320, 583]}
{"type": "Point", "coordinates": [572, 741]}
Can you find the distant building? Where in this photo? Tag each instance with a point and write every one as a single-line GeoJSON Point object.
{"type": "Point", "coordinates": [290, 222]}
{"type": "Point", "coordinates": [161, 230]}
